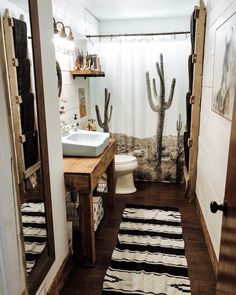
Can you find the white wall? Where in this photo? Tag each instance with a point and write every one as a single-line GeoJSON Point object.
{"type": "Point", "coordinates": [145, 25]}
{"type": "Point", "coordinates": [214, 129]}
{"type": "Point", "coordinates": [82, 23]}
{"type": "Point", "coordinates": [76, 15]}
{"type": "Point", "coordinates": [54, 140]}
{"type": "Point", "coordinates": [69, 99]}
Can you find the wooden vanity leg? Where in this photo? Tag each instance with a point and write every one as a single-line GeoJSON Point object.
{"type": "Point", "coordinates": [87, 229]}
{"type": "Point", "coordinates": [111, 184]}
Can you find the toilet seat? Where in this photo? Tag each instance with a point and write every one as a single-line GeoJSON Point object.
{"type": "Point", "coordinates": [124, 159]}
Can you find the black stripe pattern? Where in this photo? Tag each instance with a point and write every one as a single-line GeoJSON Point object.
{"type": "Point", "coordinates": [149, 258]}
{"type": "Point", "coordinates": [35, 234]}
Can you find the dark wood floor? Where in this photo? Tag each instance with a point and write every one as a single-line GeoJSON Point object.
{"type": "Point", "coordinates": [88, 281]}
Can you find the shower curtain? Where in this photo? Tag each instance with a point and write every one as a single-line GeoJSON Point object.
{"type": "Point", "coordinates": [133, 122]}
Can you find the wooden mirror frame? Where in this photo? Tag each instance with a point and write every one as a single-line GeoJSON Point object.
{"type": "Point", "coordinates": [37, 275]}
{"type": "Point", "coordinates": [46, 260]}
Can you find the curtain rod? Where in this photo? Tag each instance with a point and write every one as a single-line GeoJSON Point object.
{"type": "Point", "coordinates": [137, 34]}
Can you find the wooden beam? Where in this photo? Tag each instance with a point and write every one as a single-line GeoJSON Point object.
{"type": "Point", "coordinates": [14, 107]}
{"type": "Point", "coordinates": [197, 91]}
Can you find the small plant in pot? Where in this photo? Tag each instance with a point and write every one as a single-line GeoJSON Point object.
{"type": "Point", "coordinates": [79, 61]}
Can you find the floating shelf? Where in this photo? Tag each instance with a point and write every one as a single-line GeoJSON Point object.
{"type": "Point", "coordinates": [87, 73]}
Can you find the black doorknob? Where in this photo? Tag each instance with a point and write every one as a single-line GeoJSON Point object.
{"type": "Point", "coordinates": [215, 207]}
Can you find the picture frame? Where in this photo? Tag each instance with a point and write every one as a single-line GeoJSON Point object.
{"type": "Point", "coordinates": [224, 73]}
{"type": "Point", "coordinates": [82, 102]}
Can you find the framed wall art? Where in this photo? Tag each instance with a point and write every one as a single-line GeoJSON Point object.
{"type": "Point", "coordinates": [224, 81]}
{"type": "Point", "coordinates": [82, 102]}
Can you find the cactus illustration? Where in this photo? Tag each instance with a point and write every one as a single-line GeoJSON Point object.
{"type": "Point", "coordinates": [107, 118]}
{"type": "Point", "coordinates": [161, 106]}
{"type": "Point", "coordinates": [179, 125]}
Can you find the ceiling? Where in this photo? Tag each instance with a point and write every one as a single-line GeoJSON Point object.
{"type": "Point", "coordinates": [133, 9]}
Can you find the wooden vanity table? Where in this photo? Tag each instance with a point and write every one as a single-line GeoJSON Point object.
{"type": "Point", "coordinates": [82, 175]}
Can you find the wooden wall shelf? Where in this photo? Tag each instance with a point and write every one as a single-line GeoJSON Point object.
{"type": "Point", "coordinates": [87, 73]}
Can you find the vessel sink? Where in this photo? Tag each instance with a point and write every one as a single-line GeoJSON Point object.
{"type": "Point", "coordinates": [84, 143]}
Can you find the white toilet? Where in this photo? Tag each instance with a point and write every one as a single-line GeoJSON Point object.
{"type": "Point", "coordinates": [124, 167]}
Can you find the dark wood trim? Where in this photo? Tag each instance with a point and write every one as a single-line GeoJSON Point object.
{"type": "Point", "coordinates": [38, 273]}
{"type": "Point", "coordinates": [211, 251]}
{"type": "Point", "coordinates": [42, 268]}
{"type": "Point", "coordinates": [226, 282]}
{"type": "Point", "coordinates": [61, 276]}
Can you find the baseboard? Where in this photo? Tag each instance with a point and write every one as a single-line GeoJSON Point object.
{"type": "Point", "coordinates": [206, 234]}
{"type": "Point", "coordinates": [61, 276]}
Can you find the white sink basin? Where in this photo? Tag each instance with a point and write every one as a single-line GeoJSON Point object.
{"type": "Point", "coordinates": [84, 143]}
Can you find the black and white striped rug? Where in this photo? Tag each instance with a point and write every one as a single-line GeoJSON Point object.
{"type": "Point", "coordinates": [34, 230]}
{"type": "Point", "coordinates": [149, 257]}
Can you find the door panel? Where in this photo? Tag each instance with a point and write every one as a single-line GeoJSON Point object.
{"type": "Point", "coordinates": [226, 283]}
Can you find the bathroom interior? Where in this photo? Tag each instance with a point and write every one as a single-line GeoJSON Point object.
{"type": "Point", "coordinates": [117, 147]}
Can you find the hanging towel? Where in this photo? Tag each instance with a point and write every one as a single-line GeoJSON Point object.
{"type": "Point", "coordinates": [186, 149]}
{"type": "Point", "coordinates": [20, 38]}
{"type": "Point", "coordinates": [190, 73]}
{"type": "Point", "coordinates": [31, 148]}
{"type": "Point", "coordinates": [193, 30]}
{"type": "Point", "coordinates": [23, 76]}
{"type": "Point", "coordinates": [188, 111]}
{"type": "Point", "coordinates": [27, 112]}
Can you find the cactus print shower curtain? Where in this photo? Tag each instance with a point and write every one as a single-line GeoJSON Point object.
{"type": "Point", "coordinates": [146, 124]}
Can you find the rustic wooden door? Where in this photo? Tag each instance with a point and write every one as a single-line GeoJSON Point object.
{"type": "Point", "coordinates": [226, 282]}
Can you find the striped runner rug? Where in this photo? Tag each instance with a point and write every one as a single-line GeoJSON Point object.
{"type": "Point", "coordinates": [34, 230]}
{"type": "Point", "coordinates": [149, 258]}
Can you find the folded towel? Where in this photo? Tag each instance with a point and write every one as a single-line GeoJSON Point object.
{"type": "Point", "coordinates": [20, 38]}
{"type": "Point", "coordinates": [31, 148]}
{"type": "Point", "coordinates": [27, 112]}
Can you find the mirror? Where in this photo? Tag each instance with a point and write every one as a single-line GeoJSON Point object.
{"type": "Point", "coordinates": [59, 78]}
{"type": "Point", "coordinates": [29, 139]}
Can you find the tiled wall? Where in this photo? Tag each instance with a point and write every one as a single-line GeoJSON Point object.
{"type": "Point", "coordinates": [69, 99]}
{"type": "Point", "coordinates": [214, 129]}
{"type": "Point", "coordinates": [81, 23]}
